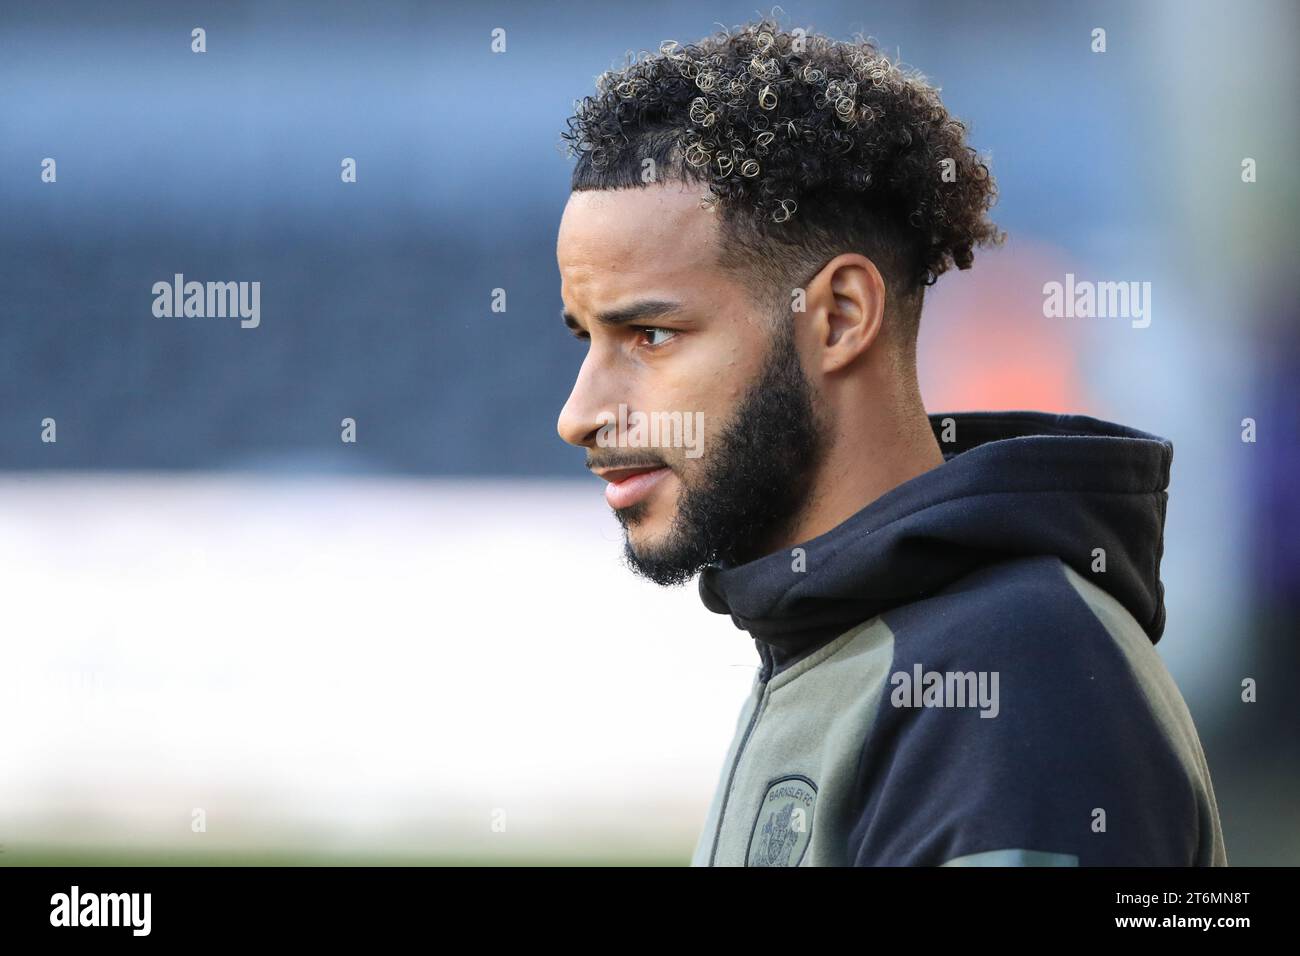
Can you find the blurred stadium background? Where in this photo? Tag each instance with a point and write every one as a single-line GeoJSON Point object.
{"type": "Point", "coordinates": [422, 647]}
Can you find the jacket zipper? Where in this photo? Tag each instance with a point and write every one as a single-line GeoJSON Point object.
{"type": "Point", "coordinates": [765, 675]}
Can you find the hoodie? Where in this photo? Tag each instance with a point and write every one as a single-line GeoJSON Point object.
{"type": "Point", "coordinates": [964, 672]}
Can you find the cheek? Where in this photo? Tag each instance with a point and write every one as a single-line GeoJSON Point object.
{"type": "Point", "coordinates": [707, 385]}
{"type": "Point", "coordinates": [704, 415]}
{"type": "Point", "coordinates": [714, 381]}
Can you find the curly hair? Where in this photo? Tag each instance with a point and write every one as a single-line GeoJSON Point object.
{"type": "Point", "coordinates": [809, 147]}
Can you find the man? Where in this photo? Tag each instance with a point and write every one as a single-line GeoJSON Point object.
{"type": "Point", "coordinates": [954, 614]}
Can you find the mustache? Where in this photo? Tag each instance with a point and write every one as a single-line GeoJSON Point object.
{"type": "Point", "coordinates": [625, 461]}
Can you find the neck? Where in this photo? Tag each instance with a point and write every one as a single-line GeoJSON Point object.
{"type": "Point", "coordinates": [862, 460]}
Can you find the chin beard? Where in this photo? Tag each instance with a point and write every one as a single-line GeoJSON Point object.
{"type": "Point", "coordinates": [753, 481]}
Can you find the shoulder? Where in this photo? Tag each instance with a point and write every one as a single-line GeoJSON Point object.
{"type": "Point", "coordinates": [1066, 748]}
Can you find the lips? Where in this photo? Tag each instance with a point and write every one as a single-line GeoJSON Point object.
{"type": "Point", "coordinates": [627, 486]}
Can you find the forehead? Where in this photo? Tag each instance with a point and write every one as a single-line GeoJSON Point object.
{"type": "Point", "coordinates": [615, 239]}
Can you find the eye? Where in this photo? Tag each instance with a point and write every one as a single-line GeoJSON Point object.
{"type": "Point", "coordinates": [657, 336]}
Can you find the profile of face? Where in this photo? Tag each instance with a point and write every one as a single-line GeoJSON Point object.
{"type": "Point", "coordinates": [691, 400]}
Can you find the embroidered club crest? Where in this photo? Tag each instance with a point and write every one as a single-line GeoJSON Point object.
{"type": "Point", "coordinates": [783, 827]}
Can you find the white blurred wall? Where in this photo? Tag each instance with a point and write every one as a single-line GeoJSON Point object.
{"type": "Point", "coordinates": [349, 666]}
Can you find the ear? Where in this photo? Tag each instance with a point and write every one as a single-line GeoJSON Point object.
{"type": "Point", "coordinates": [847, 302]}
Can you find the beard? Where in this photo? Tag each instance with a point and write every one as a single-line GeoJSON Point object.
{"type": "Point", "coordinates": [753, 482]}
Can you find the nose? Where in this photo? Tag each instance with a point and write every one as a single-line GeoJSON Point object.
{"type": "Point", "coordinates": [587, 410]}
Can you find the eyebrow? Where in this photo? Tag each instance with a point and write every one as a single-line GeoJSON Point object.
{"type": "Point", "coordinates": [636, 312]}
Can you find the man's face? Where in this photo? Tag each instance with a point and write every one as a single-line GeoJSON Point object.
{"type": "Point", "coordinates": [669, 334]}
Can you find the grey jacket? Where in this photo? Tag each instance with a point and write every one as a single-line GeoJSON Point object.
{"type": "Point", "coordinates": [965, 672]}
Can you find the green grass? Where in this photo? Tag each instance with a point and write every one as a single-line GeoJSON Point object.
{"type": "Point", "coordinates": [64, 856]}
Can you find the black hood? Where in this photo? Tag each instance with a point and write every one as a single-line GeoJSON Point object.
{"type": "Point", "coordinates": [1013, 484]}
